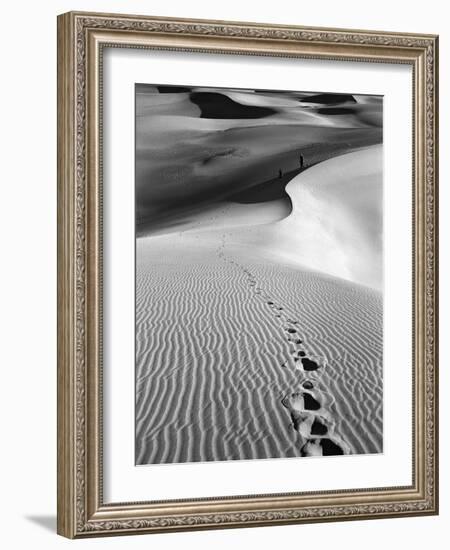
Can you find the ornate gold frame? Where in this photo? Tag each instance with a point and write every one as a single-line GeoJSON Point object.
{"type": "Point", "coordinates": [81, 37]}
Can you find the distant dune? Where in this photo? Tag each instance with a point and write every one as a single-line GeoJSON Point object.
{"type": "Point", "coordinates": [193, 147]}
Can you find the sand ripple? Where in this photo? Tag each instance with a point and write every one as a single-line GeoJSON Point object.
{"type": "Point", "coordinates": [242, 358]}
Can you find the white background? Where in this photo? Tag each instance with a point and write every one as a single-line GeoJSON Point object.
{"type": "Point", "coordinates": [28, 275]}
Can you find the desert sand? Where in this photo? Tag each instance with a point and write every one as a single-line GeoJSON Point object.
{"type": "Point", "coordinates": [259, 324]}
{"type": "Point", "coordinates": [196, 148]}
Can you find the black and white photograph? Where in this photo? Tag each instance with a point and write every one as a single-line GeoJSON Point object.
{"type": "Point", "coordinates": [259, 274]}
{"type": "Point", "coordinates": [224, 252]}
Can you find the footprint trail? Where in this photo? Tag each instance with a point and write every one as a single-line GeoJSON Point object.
{"type": "Point", "coordinates": [309, 404]}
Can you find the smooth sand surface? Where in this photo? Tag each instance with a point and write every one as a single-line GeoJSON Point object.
{"type": "Point", "coordinates": [246, 350]}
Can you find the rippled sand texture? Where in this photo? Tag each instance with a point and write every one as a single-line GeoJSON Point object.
{"type": "Point", "coordinates": [216, 361]}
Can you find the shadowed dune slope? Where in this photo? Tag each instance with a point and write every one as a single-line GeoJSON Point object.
{"type": "Point", "coordinates": [200, 145]}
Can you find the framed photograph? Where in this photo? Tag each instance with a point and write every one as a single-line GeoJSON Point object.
{"type": "Point", "coordinates": [247, 274]}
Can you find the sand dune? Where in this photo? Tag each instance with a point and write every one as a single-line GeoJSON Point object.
{"type": "Point", "coordinates": [336, 221]}
{"type": "Point", "coordinates": [218, 334]}
{"type": "Point", "coordinates": [332, 222]}
{"type": "Point", "coordinates": [196, 146]}
{"type": "Point", "coordinates": [335, 224]}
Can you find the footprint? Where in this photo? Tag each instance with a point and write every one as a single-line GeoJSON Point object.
{"type": "Point", "coordinates": [301, 402]}
{"type": "Point", "coordinates": [322, 447]}
{"type": "Point", "coordinates": [305, 422]}
{"type": "Point", "coordinates": [309, 364]}
{"type": "Point", "coordinates": [302, 423]}
{"type": "Point", "coordinates": [318, 427]}
{"type": "Point", "coordinates": [311, 404]}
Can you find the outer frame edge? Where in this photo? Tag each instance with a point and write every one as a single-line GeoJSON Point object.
{"type": "Point", "coordinates": [65, 373]}
{"type": "Point", "coordinates": [67, 149]}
